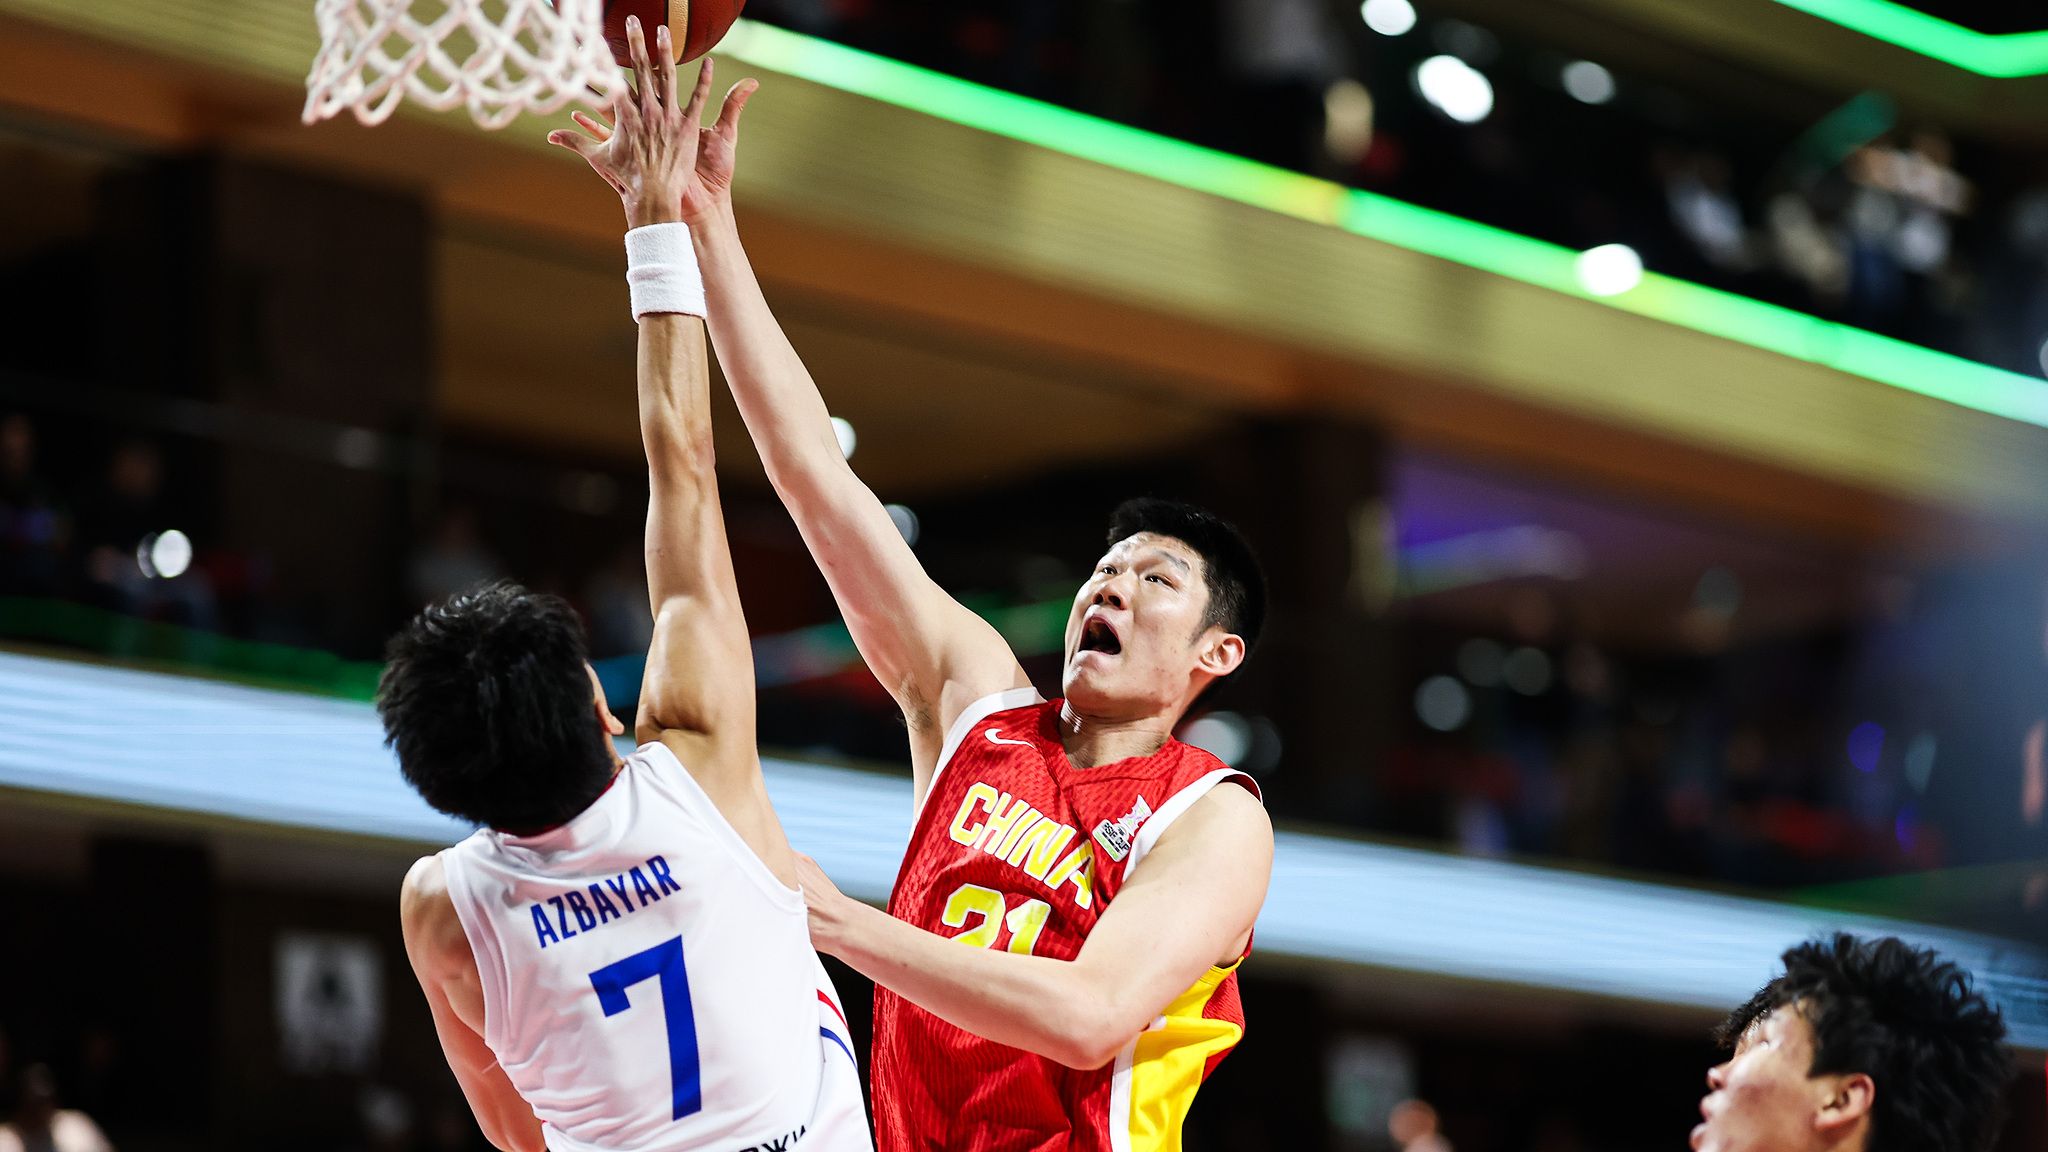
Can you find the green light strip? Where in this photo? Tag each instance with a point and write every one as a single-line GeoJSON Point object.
{"type": "Point", "coordinates": [1481, 246]}
{"type": "Point", "coordinates": [2008, 55]}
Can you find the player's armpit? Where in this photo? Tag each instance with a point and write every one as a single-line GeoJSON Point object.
{"type": "Point", "coordinates": [446, 967]}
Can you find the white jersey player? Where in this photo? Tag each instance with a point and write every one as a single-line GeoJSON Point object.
{"type": "Point", "coordinates": [619, 960]}
{"type": "Point", "coordinates": [648, 983]}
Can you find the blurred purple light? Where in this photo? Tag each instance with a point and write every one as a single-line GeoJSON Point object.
{"type": "Point", "coordinates": [1866, 741]}
{"type": "Point", "coordinates": [1907, 827]}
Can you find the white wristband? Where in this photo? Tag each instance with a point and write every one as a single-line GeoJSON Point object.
{"type": "Point", "coordinates": [661, 271]}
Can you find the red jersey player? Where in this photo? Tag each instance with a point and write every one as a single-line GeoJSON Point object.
{"type": "Point", "coordinates": [1058, 968]}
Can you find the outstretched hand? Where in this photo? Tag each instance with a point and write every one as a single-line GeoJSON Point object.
{"type": "Point", "coordinates": [828, 907]}
{"type": "Point", "coordinates": [664, 164]}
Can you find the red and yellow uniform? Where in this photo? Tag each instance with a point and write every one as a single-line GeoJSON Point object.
{"type": "Point", "coordinates": [1016, 849]}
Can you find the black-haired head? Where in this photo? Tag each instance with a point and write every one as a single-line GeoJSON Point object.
{"type": "Point", "coordinates": [488, 701]}
{"type": "Point", "coordinates": [1178, 599]}
{"type": "Point", "coordinates": [1931, 1044]}
{"type": "Point", "coordinates": [1237, 585]}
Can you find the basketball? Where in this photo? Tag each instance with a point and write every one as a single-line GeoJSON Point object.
{"type": "Point", "coordinates": [702, 24]}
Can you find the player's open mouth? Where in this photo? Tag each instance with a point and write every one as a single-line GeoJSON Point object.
{"type": "Point", "coordinates": [1097, 636]}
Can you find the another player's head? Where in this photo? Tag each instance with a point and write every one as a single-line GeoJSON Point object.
{"type": "Point", "coordinates": [1861, 1046]}
{"type": "Point", "coordinates": [1171, 610]}
{"type": "Point", "coordinates": [494, 711]}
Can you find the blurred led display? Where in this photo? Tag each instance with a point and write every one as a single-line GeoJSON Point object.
{"type": "Point", "coordinates": [282, 759]}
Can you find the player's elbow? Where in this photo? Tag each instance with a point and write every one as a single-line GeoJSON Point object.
{"type": "Point", "coordinates": [1088, 1036]}
{"type": "Point", "coordinates": [516, 1129]}
{"type": "Point", "coordinates": [521, 1141]}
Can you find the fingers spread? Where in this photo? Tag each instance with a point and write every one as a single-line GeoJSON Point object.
{"type": "Point", "coordinates": [735, 103]}
{"type": "Point", "coordinates": [694, 114]}
{"type": "Point", "coordinates": [592, 125]}
{"type": "Point", "coordinates": [643, 71]}
{"type": "Point", "coordinates": [666, 69]}
{"type": "Point", "coordinates": [625, 110]}
{"type": "Point", "coordinates": [580, 145]}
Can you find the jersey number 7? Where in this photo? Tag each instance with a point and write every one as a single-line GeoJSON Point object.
{"type": "Point", "coordinates": [666, 961]}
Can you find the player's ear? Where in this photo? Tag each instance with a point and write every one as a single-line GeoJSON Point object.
{"type": "Point", "coordinates": [605, 719]}
{"type": "Point", "coordinates": [1849, 1099]}
{"type": "Point", "coordinates": [1221, 652]}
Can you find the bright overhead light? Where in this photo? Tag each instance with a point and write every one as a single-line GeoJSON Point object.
{"type": "Point", "coordinates": [166, 554]}
{"type": "Point", "coordinates": [843, 430]}
{"type": "Point", "coordinates": [1609, 270]}
{"type": "Point", "coordinates": [1225, 735]}
{"type": "Point", "coordinates": [1588, 82]}
{"type": "Point", "coordinates": [905, 521]}
{"type": "Point", "coordinates": [1442, 703]}
{"type": "Point", "coordinates": [1388, 17]}
{"type": "Point", "coordinates": [1458, 90]}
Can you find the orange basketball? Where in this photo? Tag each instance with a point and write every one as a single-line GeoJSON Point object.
{"type": "Point", "coordinates": [695, 25]}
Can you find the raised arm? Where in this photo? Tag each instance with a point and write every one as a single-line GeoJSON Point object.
{"type": "Point", "coordinates": [932, 654]}
{"type": "Point", "coordinates": [698, 696]}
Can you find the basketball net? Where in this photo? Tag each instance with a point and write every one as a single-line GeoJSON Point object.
{"type": "Point", "coordinates": [498, 58]}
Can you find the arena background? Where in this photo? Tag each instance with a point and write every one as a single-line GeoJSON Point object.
{"type": "Point", "coordinates": [1628, 627]}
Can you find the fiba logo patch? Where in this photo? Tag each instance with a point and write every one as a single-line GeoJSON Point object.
{"type": "Point", "coordinates": [330, 1002]}
{"type": "Point", "coordinates": [1115, 835]}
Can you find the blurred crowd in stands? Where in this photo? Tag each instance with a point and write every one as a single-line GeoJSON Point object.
{"type": "Point", "coordinates": [1852, 214]}
{"type": "Point", "coordinates": [119, 542]}
{"type": "Point", "coordinates": [114, 545]}
{"type": "Point", "coordinates": [1709, 763]}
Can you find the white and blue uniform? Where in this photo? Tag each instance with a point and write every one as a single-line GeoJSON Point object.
{"type": "Point", "coordinates": [649, 985]}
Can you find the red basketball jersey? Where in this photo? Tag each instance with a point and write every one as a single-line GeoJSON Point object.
{"type": "Point", "coordinates": [1016, 849]}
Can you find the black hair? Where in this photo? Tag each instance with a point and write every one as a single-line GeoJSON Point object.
{"type": "Point", "coordinates": [1230, 570]}
{"type": "Point", "coordinates": [487, 703]}
{"type": "Point", "coordinates": [1909, 1020]}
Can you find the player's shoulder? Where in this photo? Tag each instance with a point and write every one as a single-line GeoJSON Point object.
{"type": "Point", "coordinates": [426, 908]}
{"type": "Point", "coordinates": [427, 879]}
{"type": "Point", "coordinates": [1184, 765]}
{"type": "Point", "coordinates": [1016, 717]}
{"type": "Point", "coordinates": [1226, 817]}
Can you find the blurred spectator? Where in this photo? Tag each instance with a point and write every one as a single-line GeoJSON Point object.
{"type": "Point", "coordinates": [39, 1125]}
{"type": "Point", "coordinates": [1703, 207]}
{"type": "Point", "coordinates": [456, 561]}
{"type": "Point", "coordinates": [124, 570]}
{"type": "Point", "coordinates": [2009, 327]}
{"type": "Point", "coordinates": [124, 512]}
{"type": "Point", "coordinates": [1285, 53]}
{"type": "Point", "coordinates": [35, 528]}
{"type": "Point", "coordinates": [1808, 250]}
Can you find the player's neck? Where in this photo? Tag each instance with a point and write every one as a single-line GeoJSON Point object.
{"type": "Point", "coordinates": [1092, 741]}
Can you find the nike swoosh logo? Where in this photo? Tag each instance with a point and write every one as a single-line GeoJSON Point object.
{"type": "Point", "coordinates": [995, 739]}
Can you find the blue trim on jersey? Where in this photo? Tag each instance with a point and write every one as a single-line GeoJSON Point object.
{"type": "Point", "coordinates": [828, 1034]}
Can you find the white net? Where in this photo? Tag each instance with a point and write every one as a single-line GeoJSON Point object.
{"type": "Point", "coordinates": [498, 58]}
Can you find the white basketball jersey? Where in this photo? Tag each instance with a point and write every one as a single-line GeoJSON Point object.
{"type": "Point", "coordinates": [649, 985]}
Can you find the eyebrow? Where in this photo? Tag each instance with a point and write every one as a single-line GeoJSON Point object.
{"type": "Point", "coordinates": [1177, 561]}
